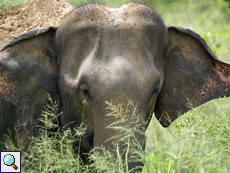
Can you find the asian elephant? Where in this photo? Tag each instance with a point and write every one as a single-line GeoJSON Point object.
{"type": "Point", "coordinates": [100, 54]}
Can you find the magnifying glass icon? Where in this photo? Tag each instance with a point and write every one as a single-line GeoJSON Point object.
{"type": "Point", "coordinates": [9, 160]}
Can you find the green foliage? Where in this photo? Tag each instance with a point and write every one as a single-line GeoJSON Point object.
{"type": "Point", "coordinates": [130, 123]}
{"type": "Point", "coordinates": [11, 143]}
{"type": "Point", "coordinates": [201, 126]}
{"type": "Point", "coordinates": [105, 161]}
{"type": "Point", "coordinates": [15, 2]}
{"type": "Point", "coordinates": [195, 142]}
{"type": "Point", "coordinates": [6, 5]}
{"type": "Point", "coordinates": [48, 154]}
{"type": "Point", "coordinates": [53, 151]}
{"type": "Point", "coordinates": [49, 113]}
{"type": "Point", "coordinates": [127, 125]}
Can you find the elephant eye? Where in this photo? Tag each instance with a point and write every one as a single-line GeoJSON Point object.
{"type": "Point", "coordinates": [83, 87]}
{"type": "Point", "coordinates": [85, 90]}
{"type": "Point", "coordinates": [156, 88]}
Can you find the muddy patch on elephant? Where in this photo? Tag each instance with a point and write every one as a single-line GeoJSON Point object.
{"type": "Point", "coordinates": [33, 14]}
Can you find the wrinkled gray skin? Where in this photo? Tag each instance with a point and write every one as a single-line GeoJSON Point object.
{"type": "Point", "coordinates": [100, 54]}
{"type": "Point", "coordinates": [102, 60]}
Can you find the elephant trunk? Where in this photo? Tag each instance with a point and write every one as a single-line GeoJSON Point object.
{"type": "Point", "coordinates": [121, 129]}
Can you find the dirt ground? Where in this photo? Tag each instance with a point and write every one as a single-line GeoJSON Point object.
{"type": "Point", "coordinates": [31, 15]}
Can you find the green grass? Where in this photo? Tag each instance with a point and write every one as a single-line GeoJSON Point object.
{"type": "Point", "coordinates": [198, 141]}
{"type": "Point", "coordinates": [6, 5]}
{"type": "Point", "coordinates": [195, 142]}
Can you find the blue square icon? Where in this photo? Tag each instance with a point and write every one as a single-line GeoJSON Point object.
{"type": "Point", "coordinates": [10, 161]}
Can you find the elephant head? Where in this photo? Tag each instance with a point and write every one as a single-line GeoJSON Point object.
{"type": "Point", "coordinates": [100, 54]}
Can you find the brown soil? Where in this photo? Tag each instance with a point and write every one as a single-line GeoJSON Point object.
{"type": "Point", "coordinates": [31, 15]}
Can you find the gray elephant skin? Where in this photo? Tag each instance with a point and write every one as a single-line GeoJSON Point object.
{"type": "Point", "coordinates": [100, 54]}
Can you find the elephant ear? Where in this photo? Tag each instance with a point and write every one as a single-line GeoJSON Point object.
{"type": "Point", "coordinates": [28, 70]}
{"type": "Point", "coordinates": [193, 75]}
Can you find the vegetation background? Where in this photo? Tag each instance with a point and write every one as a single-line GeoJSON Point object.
{"type": "Point", "coordinates": [198, 141]}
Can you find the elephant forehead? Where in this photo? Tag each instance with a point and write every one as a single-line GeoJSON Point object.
{"type": "Point", "coordinates": [132, 14]}
{"type": "Point", "coordinates": [119, 70]}
{"type": "Point", "coordinates": [133, 27]}
{"type": "Point", "coordinates": [117, 67]}
{"type": "Point", "coordinates": [111, 43]}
